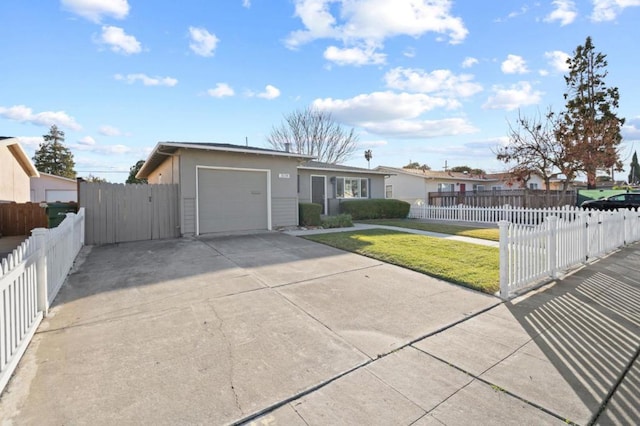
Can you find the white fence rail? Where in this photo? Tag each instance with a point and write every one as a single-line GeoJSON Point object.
{"type": "Point", "coordinates": [462, 213]}
{"type": "Point", "coordinates": [531, 254]}
{"type": "Point", "coordinates": [30, 279]}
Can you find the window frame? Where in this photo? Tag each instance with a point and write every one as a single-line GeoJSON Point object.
{"type": "Point", "coordinates": [349, 179]}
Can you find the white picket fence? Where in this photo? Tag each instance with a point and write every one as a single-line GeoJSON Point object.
{"type": "Point", "coordinates": [533, 254]}
{"type": "Point", "coordinates": [30, 279]}
{"type": "Point", "coordinates": [462, 213]}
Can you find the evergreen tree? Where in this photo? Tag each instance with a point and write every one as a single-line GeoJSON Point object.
{"type": "Point", "coordinates": [634, 171]}
{"type": "Point", "coordinates": [589, 128]}
{"type": "Point", "coordinates": [133, 171]}
{"type": "Point", "coordinates": [53, 157]}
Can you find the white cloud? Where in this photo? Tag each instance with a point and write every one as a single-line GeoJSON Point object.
{"type": "Point", "coordinates": [119, 41]}
{"type": "Point", "coordinates": [441, 82]}
{"type": "Point", "coordinates": [409, 52]}
{"type": "Point", "coordinates": [246, 3]}
{"type": "Point", "coordinates": [631, 129]}
{"type": "Point", "coordinates": [469, 62]}
{"type": "Point", "coordinates": [608, 10]}
{"type": "Point", "coordinates": [514, 97]}
{"type": "Point", "coordinates": [372, 144]}
{"type": "Point", "coordinates": [24, 114]}
{"type": "Point", "coordinates": [270, 92]}
{"type": "Point", "coordinates": [514, 64]}
{"type": "Point", "coordinates": [414, 129]}
{"type": "Point", "coordinates": [95, 10]}
{"type": "Point", "coordinates": [102, 149]}
{"type": "Point", "coordinates": [354, 56]}
{"type": "Point", "coordinates": [382, 106]}
{"type": "Point", "coordinates": [87, 141]}
{"type": "Point", "coordinates": [372, 21]}
{"type": "Point", "coordinates": [146, 80]}
{"type": "Point", "coordinates": [109, 131]}
{"type": "Point", "coordinates": [30, 141]}
{"type": "Point", "coordinates": [221, 90]}
{"type": "Point", "coordinates": [564, 12]}
{"type": "Point", "coordinates": [558, 60]}
{"type": "Point", "coordinates": [203, 43]}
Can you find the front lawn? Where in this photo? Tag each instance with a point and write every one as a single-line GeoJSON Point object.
{"type": "Point", "coordinates": [470, 265]}
{"type": "Point", "coordinates": [491, 234]}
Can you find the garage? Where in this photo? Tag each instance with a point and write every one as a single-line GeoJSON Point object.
{"type": "Point", "coordinates": [232, 199]}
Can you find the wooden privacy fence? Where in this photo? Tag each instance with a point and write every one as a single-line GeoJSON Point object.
{"type": "Point", "coordinates": [21, 218]}
{"type": "Point", "coordinates": [30, 279]}
{"type": "Point", "coordinates": [530, 198]}
{"type": "Point", "coordinates": [533, 254]}
{"type": "Point", "coordinates": [118, 213]}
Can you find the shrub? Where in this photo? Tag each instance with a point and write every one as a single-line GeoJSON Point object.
{"type": "Point", "coordinates": [309, 214]}
{"type": "Point", "coordinates": [375, 209]}
{"type": "Point", "coordinates": [339, 221]}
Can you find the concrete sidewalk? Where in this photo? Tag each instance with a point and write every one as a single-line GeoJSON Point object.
{"type": "Point", "coordinates": [567, 353]}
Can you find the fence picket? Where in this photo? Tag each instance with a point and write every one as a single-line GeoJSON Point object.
{"type": "Point", "coordinates": [531, 253]}
{"type": "Point", "coordinates": [30, 278]}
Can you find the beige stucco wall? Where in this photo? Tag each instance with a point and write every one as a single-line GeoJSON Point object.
{"type": "Point", "coordinates": [167, 172]}
{"type": "Point", "coordinates": [40, 186]}
{"type": "Point", "coordinates": [284, 196]}
{"type": "Point", "coordinates": [14, 181]}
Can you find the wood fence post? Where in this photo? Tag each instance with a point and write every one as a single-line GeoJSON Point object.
{"type": "Point", "coordinates": [504, 258]}
{"type": "Point", "coordinates": [40, 237]}
{"type": "Point", "coordinates": [552, 249]}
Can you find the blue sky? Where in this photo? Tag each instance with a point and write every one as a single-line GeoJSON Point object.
{"type": "Point", "coordinates": [431, 81]}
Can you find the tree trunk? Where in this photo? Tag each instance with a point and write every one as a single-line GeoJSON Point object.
{"type": "Point", "coordinates": [591, 179]}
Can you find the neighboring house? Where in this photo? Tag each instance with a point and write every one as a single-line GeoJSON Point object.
{"type": "Point", "coordinates": [509, 181]}
{"type": "Point", "coordinates": [414, 185]}
{"type": "Point", "coordinates": [15, 171]}
{"type": "Point", "coordinates": [328, 184]}
{"type": "Point", "coordinates": [51, 188]}
{"type": "Point", "coordinates": [227, 188]}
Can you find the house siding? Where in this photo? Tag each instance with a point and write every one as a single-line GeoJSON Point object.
{"type": "Point", "coordinates": [14, 181]}
{"type": "Point", "coordinates": [376, 186]}
{"type": "Point", "coordinates": [283, 182]}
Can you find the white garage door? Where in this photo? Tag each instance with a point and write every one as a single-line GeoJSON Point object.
{"type": "Point", "coordinates": [232, 200]}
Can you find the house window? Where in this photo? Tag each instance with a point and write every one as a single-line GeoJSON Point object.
{"type": "Point", "coordinates": [446, 187]}
{"type": "Point", "coordinates": [496, 188]}
{"type": "Point", "coordinates": [388, 191]}
{"type": "Point", "coordinates": [533, 186]}
{"type": "Point", "coordinates": [352, 187]}
{"type": "Point", "coordinates": [477, 187]}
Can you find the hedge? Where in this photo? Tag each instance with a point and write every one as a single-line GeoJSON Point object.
{"type": "Point", "coordinates": [375, 209]}
{"type": "Point", "coordinates": [309, 214]}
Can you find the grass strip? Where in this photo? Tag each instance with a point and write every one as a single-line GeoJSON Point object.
{"type": "Point", "coordinates": [491, 234]}
{"type": "Point", "coordinates": [470, 265]}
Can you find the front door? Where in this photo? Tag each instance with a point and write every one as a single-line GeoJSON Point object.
{"type": "Point", "coordinates": [318, 196]}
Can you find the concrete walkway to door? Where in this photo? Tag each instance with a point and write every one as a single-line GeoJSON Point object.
{"type": "Point", "coordinates": [220, 330]}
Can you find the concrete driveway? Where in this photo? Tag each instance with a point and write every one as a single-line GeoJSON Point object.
{"type": "Point", "coordinates": [216, 330]}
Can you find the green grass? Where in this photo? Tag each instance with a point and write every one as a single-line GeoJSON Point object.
{"type": "Point", "coordinates": [470, 265]}
{"type": "Point", "coordinates": [491, 234]}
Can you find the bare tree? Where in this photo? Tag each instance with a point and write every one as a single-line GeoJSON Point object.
{"type": "Point", "coordinates": [314, 132]}
{"type": "Point", "coordinates": [533, 148]}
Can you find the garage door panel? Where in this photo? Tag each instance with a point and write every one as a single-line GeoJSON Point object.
{"type": "Point", "coordinates": [232, 200]}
